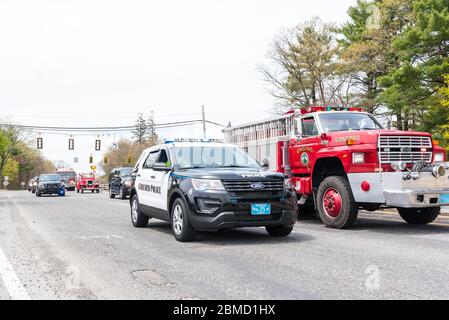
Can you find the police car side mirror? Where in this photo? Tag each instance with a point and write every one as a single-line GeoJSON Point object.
{"type": "Point", "coordinates": [161, 166]}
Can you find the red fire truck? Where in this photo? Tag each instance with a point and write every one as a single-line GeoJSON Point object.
{"type": "Point", "coordinates": [341, 160]}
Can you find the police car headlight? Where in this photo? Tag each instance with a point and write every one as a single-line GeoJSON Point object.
{"type": "Point", "coordinates": [203, 184]}
{"type": "Point", "coordinates": [439, 157]}
{"type": "Point", "coordinates": [127, 183]}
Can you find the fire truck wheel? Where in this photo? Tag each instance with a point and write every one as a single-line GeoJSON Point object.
{"type": "Point", "coordinates": [336, 205]}
{"type": "Point", "coordinates": [419, 216]}
{"type": "Point", "coordinates": [138, 219]}
{"type": "Point", "coordinates": [280, 231]}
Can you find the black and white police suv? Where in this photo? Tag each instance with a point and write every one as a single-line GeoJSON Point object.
{"type": "Point", "coordinates": [207, 186]}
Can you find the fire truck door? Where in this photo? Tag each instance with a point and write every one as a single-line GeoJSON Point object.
{"type": "Point", "coordinates": [303, 153]}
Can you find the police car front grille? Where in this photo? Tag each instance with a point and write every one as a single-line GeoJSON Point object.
{"type": "Point", "coordinates": [404, 148]}
{"type": "Point", "coordinates": [246, 186]}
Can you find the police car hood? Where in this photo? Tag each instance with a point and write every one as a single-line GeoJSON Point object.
{"type": "Point", "coordinates": [230, 174]}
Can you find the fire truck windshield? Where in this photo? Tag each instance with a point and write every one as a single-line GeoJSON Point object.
{"type": "Point", "coordinates": [348, 121]}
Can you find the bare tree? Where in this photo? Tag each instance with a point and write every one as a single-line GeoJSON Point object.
{"type": "Point", "coordinates": [305, 70]}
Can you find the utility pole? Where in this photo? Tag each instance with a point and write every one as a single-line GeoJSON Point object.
{"type": "Point", "coordinates": [204, 122]}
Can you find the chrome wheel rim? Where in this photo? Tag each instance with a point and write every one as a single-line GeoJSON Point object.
{"type": "Point", "coordinates": [178, 218]}
{"type": "Point", "coordinates": [134, 210]}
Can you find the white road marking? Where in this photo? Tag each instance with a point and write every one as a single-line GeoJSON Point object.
{"type": "Point", "coordinates": [101, 237]}
{"type": "Point", "coordinates": [12, 282]}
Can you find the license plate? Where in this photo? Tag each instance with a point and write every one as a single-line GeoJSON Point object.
{"type": "Point", "coordinates": [444, 198]}
{"type": "Point", "coordinates": [260, 209]}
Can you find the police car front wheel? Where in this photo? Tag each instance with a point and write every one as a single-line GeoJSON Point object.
{"type": "Point", "coordinates": [138, 219]}
{"type": "Point", "coordinates": [280, 231]}
{"type": "Point", "coordinates": [181, 227]}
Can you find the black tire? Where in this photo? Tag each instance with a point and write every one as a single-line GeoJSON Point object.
{"type": "Point", "coordinates": [419, 216]}
{"type": "Point", "coordinates": [38, 194]}
{"type": "Point", "coordinates": [347, 215]}
{"type": "Point", "coordinates": [121, 194]}
{"type": "Point", "coordinates": [138, 219]}
{"type": "Point", "coordinates": [82, 190]}
{"type": "Point", "coordinates": [77, 190]}
{"type": "Point", "coordinates": [181, 227]}
{"type": "Point", "coordinates": [111, 195]}
{"type": "Point", "coordinates": [280, 231]}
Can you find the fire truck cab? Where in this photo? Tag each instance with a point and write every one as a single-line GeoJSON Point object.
{"type": "Point", "coordinates": [341, 160]}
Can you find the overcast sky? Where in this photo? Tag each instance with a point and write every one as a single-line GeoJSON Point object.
{"type": "Point", "coordinates": [92, 62]}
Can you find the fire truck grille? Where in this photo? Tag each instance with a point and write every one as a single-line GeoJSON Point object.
{"type": "Point", "coordinates": [410, 149]}
{"type": "Point", "coordinates": [253, 186]}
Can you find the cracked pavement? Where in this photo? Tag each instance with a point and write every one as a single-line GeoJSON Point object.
{"type": "Point", "coordinates": [83, 246]}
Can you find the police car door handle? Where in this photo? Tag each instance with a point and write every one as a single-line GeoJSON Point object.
{"type": "Point", "coordinates": [153, 177]}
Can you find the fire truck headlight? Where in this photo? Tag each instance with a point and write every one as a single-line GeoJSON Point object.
{"type": "Point", "coordinates": [439, 157]}
{"type": "Point", "coordinates": [358, 158]}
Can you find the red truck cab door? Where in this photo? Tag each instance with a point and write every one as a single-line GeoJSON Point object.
{"type": "Point", "coordinates": [303, 153]}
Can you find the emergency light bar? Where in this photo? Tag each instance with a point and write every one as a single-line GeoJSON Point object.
{"type": "Point", "coordinates": [167, 141]}
{"type": "Point", "coordinates": [329, 108]}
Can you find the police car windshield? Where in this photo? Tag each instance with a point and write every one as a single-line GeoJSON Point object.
{"type": "Point", "coordinates": [213, 157]}
{"type": "Point", "coordinates": [49, 177]}
{"type": "Point", "coordinates": [348, 121]}
{"type": "Point", "coordinates": [126, 172]}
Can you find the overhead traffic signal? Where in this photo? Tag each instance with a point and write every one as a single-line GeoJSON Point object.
{"type": "Point", "coordinates": [91, 159]}
{"type": "Point", "coordinates": [40, 143]}
{"type": "Point", "coordinates": [97, 145]}
{"type": "Point", "coordinates": [71, 144]}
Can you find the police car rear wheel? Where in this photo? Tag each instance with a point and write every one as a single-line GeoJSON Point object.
{"type": "Point", "coordinates": [419, 216]}
{"type": "Point", "coordinates": [138, 219]}
{"type": "Point", "coordinates": [182, 230]}
{"type": "Point", "coordinates": [111, 195]}
{"type": "Point", "coordinates": [280, 231]}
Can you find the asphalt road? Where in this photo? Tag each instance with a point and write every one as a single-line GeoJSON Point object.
{"type": "Point", "coordinates": [84, 247]}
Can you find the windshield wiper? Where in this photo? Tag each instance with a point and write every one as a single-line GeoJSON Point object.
{"type": "Point", "coordinates": [192, 167]}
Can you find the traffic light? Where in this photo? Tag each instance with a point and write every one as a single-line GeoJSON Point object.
{"type": "Point", "coordinates": [105, 160]}
{"type": "Point", "coordinates": [40, 143]}
{"type": "Point", "coordinates": [97, 145]}
{"type": "Point", "coordinates": [129, 160]}
{"type": "Point", "coordinates": [91, 159]}
{"type": "Point", "coordinates": [71, 144]}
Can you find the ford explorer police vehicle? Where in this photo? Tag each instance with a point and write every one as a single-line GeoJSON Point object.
{"type": "Point", "coordinates": [207, 186]}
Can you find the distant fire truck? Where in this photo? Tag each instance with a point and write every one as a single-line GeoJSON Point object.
{"type": "Point", "coordinates": [68, 178]}
{"type": "Point", "coordinates": [340, 160]}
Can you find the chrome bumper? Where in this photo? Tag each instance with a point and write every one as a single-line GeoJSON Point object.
{"type": "Point", "coordinates": [389, 188]}
{"type": "Point", "coordinates": [415, 198]}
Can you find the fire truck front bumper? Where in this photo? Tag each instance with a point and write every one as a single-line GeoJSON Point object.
{"type": "Point", "coordinates": [391, 189]}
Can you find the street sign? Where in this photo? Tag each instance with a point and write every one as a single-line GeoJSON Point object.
{"type": "Point", "coordinates": [5, 183]}
{"type": "Point", "coordinates": [22, 184]}
{"type": "Point", "coordinates": [6, 178]}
